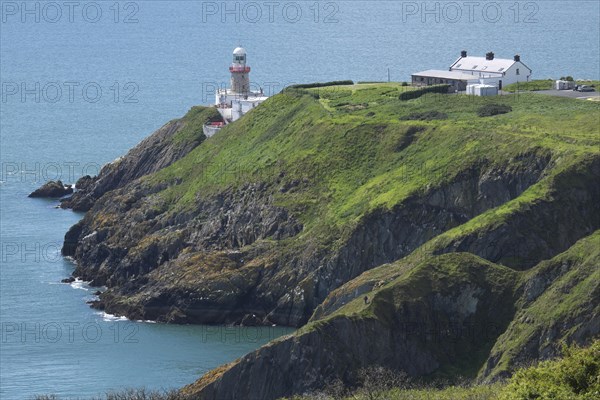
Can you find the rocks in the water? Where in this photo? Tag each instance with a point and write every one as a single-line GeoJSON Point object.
{"type": "Point", "coordinates": [68, 280]}
{"type": "Point", "coordinates": [52, 189]}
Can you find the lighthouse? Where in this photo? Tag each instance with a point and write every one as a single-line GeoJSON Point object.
{"type": "Point", "coordinates": [240, 72]}
{"type": "Point", "coordinates": [238, 99]}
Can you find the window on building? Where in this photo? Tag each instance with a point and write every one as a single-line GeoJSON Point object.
{"type": "Point", "coordinates": [501, 69]}
{"type": "Point", "coordinates": [474, 67]}
{"type": "Point", "coordinates": [458, 66]}
{"type": "Point", "coordinates": [518, 72]}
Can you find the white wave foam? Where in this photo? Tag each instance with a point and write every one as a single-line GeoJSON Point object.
{"type": "Point", "coordinates": [111, 318]}
{"type": "Point", "coordinates": [80, 284]}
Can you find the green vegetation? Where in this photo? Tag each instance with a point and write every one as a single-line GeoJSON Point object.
{"type": "Point", "coordinates": [424, 116]}
{"type": "Point", "coordinates": [356, 155]}
{"type": "Point", "coordinates": [489, 110]}
{"type": "Point", "coordinates": [542, 84]}
{"type": "Point", "coordinates": [321, 84]}
{"type": "Point", "coordinates": [193, 121]}
{"type": "Point", "coordinates": [575, 376]}
{"type": "Point", "coordinates": [545, 84]}
{"type": "Point", "coordinates": [413, 94]}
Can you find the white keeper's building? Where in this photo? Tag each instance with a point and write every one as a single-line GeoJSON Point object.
{"type": "Point", "coordinates": [469, 70]}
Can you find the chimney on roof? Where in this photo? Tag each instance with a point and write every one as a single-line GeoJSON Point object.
{"type": "Point", "coordinates": [489, 56]}
{"type": "Point", "coordinates": [463, 53]}
{"type": "Point", "coordinates": [517, 57]}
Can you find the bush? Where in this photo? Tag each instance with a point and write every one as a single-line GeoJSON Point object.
{"type": "Point", "coordinates": [424, 116]}
{"type": "Point", "coordinates": [404, 84]}
{"type": "Point", "coordinates": [321, 84]}
{"type": "Point", "coordinates": [415, 94]}
{"type": "Point", "coordinates": [493, 109]}
{"type": "Point", "coordinates": [576, 376]}
{"type": "Point", "coordinates": [296, 92]}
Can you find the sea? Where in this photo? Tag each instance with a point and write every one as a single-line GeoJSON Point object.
{"type": "Point", "coordinates": [84, 81]}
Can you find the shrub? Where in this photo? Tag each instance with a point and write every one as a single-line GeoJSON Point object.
{"type": "Point", "coordinates": [493, 109]}
{"type": "Point", "coordinates": [424, 116]}
{"type": "Point", "coordinates": [321, 84]}
{"type": "Point", "coordinates": [576, 376]}
{"type": "Point", "coordinates": [292, 91]}
{"type": "Point", "coordinates": [415, 94]}
{"type": "Point", "coordinates": [404, 83]}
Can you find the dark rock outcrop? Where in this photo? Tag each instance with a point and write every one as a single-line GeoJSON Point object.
{"type": "Point", "coordinates": [52, 189]}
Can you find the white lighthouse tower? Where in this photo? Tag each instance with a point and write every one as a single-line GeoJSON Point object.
{"type": "Point", "coordinates": [240, 72]}
{"type": "Point", "coordinates": [236, 101]}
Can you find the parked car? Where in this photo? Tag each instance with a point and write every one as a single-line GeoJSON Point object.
{"type": "Point", "coordinates": [585, 88]}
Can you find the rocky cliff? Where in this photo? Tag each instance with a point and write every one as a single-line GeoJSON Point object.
{"type": "Point", "coordinates": [320, 197]}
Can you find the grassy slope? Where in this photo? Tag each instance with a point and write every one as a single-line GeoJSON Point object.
{"type": "Point", "coordinates": [352, 150]}
{"type": "Point", "coordinates": [193, 121]}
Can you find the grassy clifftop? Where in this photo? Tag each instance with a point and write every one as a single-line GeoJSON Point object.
{"type": "Point", "coordinates": [358, 153]}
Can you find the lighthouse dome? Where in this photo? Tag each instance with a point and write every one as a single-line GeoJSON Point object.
{"type": "Point", "coordinates": [238, 51]}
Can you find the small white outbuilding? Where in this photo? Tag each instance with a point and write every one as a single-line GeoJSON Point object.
{"type": "Point", "coordinates": [482, 90]}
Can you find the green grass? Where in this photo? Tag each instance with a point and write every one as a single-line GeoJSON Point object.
{"type": "Point", "coordinates": [354, 154]}
{"type": "Point", "coordinates": [542, 84]}
{"type": "Point", "coordinates": [193, 122]}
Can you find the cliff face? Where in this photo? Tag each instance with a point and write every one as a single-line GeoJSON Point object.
{"type": "Point", "coordinates": [450, 227]}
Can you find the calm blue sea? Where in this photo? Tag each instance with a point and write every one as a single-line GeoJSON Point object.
{"type": "Point", "coordinates": [82, 82]}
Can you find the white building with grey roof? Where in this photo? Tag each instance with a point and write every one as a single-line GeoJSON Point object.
{"type": "Point", "coordinates": [471, 70]}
